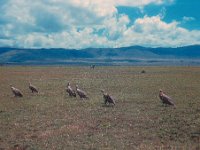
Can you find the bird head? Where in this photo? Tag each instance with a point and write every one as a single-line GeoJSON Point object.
{"type": "Point", "coordinates": [76, 86]}
{"type": "Point", "coordinates": [11, 86]}
{"type": "Point", "coordinates": [160, 92]}
{"type": "Point", "coordinates": [29, 83]}
{"type": "Point", "coordinates": [68, 84]}
{"type": "Point", "coordinates": [103, 92]}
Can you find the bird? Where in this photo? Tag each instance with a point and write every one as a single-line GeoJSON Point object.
{"type": "Point", "coordinates": [92, 66]}
{"type": "Point", "coordinates": [70, 91]}
{"type": "Point", "coordinates": [143, 71]}
{"type": "Point", "coordinates": [107, 98]}
{"type": "Point", "coordinates": [165, 99]}
{"type": "Point", "coordinates": [81, 93]}
{"type": "Point", "coordinates": [32, 88]}
{"type": "Point", "coordinates": [16, 91]}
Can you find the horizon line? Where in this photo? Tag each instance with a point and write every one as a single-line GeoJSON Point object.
{"type": "Point", "coordinates": [34, 48]}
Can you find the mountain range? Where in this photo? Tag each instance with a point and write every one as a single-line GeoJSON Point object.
{"type": "Point", "coordinates": [106, 56]}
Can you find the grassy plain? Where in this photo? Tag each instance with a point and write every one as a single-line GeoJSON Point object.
{"type": "Point", "coordinates": [53, 120]}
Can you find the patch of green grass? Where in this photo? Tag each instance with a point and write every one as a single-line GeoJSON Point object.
{"type": "Point", "coordinates": [53, 120]}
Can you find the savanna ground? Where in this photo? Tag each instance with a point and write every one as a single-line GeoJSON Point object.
{"type": "Point", "coordinates": [53, 120]}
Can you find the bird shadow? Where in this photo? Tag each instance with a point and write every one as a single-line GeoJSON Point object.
{"type": "Point", "coordinates": [167, 106]}
{"type": "Point", "coordinates": [108, 106]}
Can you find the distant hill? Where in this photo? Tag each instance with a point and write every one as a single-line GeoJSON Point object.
{"type": "Point", "coordinates": [130, 54]}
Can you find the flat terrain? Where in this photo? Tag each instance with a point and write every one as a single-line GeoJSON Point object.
{"type": "Point", "coordinates": [53, 120]}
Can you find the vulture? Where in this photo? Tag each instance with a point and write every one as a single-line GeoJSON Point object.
{"type": "Point", "coordinates": [16, 92]}
{"type": "Point", "coordinates": [143, 71]}
{"type": "Point", "coordinates": [81, 93]}
{"type": "Point", "coordinates": [107, 98]}
{"type": "Point", "coordinates": [165, 99]}
{"type": "Point", "coordinates": [92, 66]}
{"type": "Point", "coordinates": [33, 88]}
{"type": "Point", "coordinates": [70, 91]}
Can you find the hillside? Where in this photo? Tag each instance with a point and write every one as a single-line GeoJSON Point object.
{"type": "Point", "coordinates": [97, 55]}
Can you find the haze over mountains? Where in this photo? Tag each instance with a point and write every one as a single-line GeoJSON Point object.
{"type": "Point", "coordinates": [132, 55]}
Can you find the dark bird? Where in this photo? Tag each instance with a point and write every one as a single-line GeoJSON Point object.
{"type": "Point", "coordinates": [92, 66]}
{"type": "Point", "coordinates": [33, 88]}
{"type": "Point", "coordinates": [165, 99]}
{"type": "Point", "coordinates": [70, 91]}
{"type": "Point", "coordinates": [16, 91]}
{"type": "Point", "coordinates": [107, 98]}
{"type": "Point", "coordinates": [81, 93]}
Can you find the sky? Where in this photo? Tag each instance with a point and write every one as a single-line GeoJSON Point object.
{"type": "Point", "coordinates": [78, 24]}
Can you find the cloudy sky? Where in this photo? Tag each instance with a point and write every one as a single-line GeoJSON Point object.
{"type": "Point", "coordinates": [99, 23]}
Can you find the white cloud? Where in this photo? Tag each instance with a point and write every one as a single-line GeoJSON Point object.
{"type": "Point", "coordinates": [152, 31]}
{"type": "Point", "coordinates": [187, 19]}
{"type": "Point", "coordinates": [136, 2]}
{"type": "Point", "coordinates": [115, 27]}
{"type": "Point", "coordinates": [86, 23]}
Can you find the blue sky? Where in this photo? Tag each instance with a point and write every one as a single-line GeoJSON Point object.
{"type": "Point", "coordinates": [99, 23]}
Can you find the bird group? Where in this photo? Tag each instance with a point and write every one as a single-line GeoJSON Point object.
{"type": "Point", "coordinates": [108, 99]}
{"type": "Point", "coordinates": [82, 94]}
{"type": "Point", "coordinates": [18, 93]}
{"type": "Point", "coordinates": [71, 92]}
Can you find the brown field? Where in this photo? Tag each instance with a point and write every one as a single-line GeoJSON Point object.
{"type": "Point", "coordinates": [53, 120]}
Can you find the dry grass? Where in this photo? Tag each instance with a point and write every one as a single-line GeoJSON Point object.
{"type": "Point", "coordinates": [52, 120]}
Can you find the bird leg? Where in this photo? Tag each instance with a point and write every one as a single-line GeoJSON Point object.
{"type": "Point", "coordinates": [105, 102]}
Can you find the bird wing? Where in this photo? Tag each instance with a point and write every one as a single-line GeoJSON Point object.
{"type": "Point", "coordinates": [167, 99]}
{"type": "Point", "coordinates": [111, 98]}
{"type": "Point", "coordinates": [81, 92]}
{"type": "Point", "coordinates": [32, 87]}
{"type": "Point", "coordinates": [16, 91]}
{"type": "Point", "coordinates": [70, 90]}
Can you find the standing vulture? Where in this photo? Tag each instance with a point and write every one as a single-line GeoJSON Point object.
{"type": "Point", "coordinates": [81, 93]}
{"type": "Point", "coordinates": [33, 88]}
{"type": "Point", "coordinates": [92, 66]}
{"type": "Point", "coordinates": [70, 91]}
{"type": "Point", "coordinates": [165, 99]}
{"type": "Point", "coordinates": [107, 98]}
{"type": "Point", "coordinates": [16, 91]}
